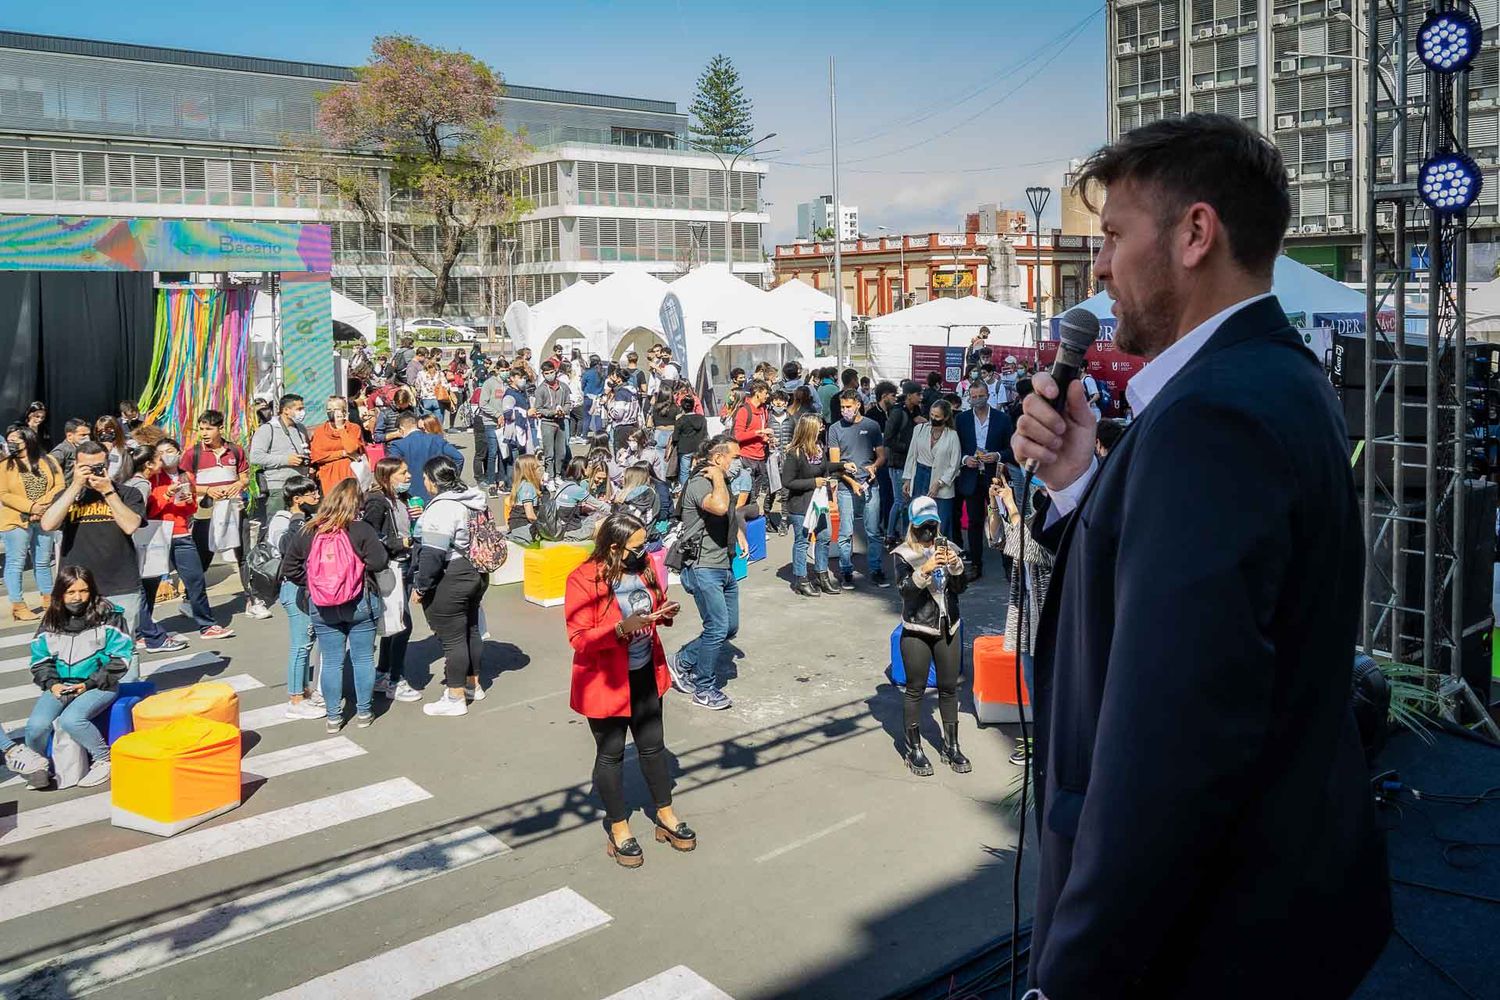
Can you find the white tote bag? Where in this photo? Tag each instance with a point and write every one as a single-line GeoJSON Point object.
{"type": "Point", "coordinates": [393, 600]}
{"type": "Point", "coordinates": [773, 472]}
{"type": "Point", "coordinates": [70, 761]}
{"type": "Point", "coordinates": [153, 548]}
{"type": "Point", "coordinates": [224, 526]}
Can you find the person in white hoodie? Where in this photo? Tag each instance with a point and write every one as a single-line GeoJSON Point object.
{"type": "Point", "coordinates": [447, 584]}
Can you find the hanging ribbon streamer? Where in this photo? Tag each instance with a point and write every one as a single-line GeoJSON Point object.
{"type": "Point", "coordinates": [200, 361]}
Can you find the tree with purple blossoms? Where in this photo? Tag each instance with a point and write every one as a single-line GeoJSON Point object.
{"type": "Point", "coordinates": [432, 117]}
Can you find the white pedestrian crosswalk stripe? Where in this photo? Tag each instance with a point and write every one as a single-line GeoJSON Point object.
{"type": "Point", "coordinates": [95, 808]}
{"type": "Point", "coordinates": [86, 970]}
{"type": "Point", "coordinates": [149, 668]}
{"type": "Point", "coordinates": [36, 893]}
{"type": "Point", "coordinates": [453, 955]}
{"type": "Point", "coordinates": [240, 683]}
{"type": "Point", "coordinates": [17, 639]}
{"type": "Point", "coordinates": [677, 983]}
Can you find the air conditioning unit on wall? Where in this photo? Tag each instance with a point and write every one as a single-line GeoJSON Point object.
{"type": "Point", "coordinates": [1286, 65]}
{"type": "Point", "coordinates": [1337, 222]}
{"type": "Point", "coordinates": [1286, 121]}
{"type": "Point", "coordinates": [1124, 48]}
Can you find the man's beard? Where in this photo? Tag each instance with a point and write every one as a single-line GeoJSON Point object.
{"type": "Point", "coordinates": [1150, 328]}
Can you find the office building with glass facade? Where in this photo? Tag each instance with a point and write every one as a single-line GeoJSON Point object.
{"type": "Point", "coordinates": [1295, 70]}
{"type": "Point", "coordinates": [92, 128]}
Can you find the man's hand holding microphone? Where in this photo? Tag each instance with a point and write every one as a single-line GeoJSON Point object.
{"type": "Point", "coordinates": [1054, 438]}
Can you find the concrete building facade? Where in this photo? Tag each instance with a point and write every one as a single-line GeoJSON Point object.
{"type": "Point", "coordinates": [818, 214]}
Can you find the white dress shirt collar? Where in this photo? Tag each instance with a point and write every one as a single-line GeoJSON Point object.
{"type": "Point", "coordinates": [1143, 388]}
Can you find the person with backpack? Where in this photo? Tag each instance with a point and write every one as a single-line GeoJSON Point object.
{"type": "Point", "coordinates": [448, 583]}
{"type": "Point", "coordinates": [333, 559]}
{"type": "Point", "coordinates": [220, 474]}
{"type": "Point", "coordinates": [171, 499]}
{"type": "Point", "coordinates": [299, 501]}
{"type": "Point", "coordinates": [279, 450]}
{"type": "Point", "coordinates": [385, 510]}
{"type": "Point", "coordinates": [688, 435]}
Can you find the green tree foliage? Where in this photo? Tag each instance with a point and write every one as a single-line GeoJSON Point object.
{"type": "Point", "coordinates": [723, 117]}
{"type": "Point", "coordinates": [432, 115]}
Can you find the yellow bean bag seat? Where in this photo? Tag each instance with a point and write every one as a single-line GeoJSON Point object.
{"type": "Point", "coordinates": [209, 700]}
{"type": "Point", "coordinates": [174, 776]}
{"type": "Point", "coordinates": [545, 577]}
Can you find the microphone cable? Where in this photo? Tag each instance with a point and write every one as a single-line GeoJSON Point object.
{"type": "Point", "coordinates": [1020, 586]}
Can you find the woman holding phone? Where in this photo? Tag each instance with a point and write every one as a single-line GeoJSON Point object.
{"type": "Point", "coordinates": [614, 605]}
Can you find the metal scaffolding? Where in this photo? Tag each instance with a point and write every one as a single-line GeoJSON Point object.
{"type": "Point", "coordinates": [1416, 447]}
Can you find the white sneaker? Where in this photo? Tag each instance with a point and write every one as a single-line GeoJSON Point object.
{"type": "Point", "coordinates": [97, 775]}
{"type": "Point", "coordinates": [474, 692]}
{"type": "Point", "coordinates": [255, 609]}
{"type": "Point", "coordinates": [383, 686]}
{"type": "Point", "coordinates": [446, 705]}
{"type": "Point", "coordinates": [405, 692]}
{"type": "Point", "coordinates": [304, 709]}
{"type": "Point", "coordinates": [316, 698]}
{"type": "Point", "coordinates": [29, 764]}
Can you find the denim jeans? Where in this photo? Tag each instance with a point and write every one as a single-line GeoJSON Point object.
{"type": "Point", "coordinates": [358, 635]}
{"type": "Point", "coordinates": [895, 525]}
{"type": "Point", "coordinates": [75, 716]}
{"type": "Point", "coordinates": [799, 549]}
{"type": "Point", "coordinates": [684, 470]}
{"type": "Point", "coordinates": [299, 639]}
{"type": "Point", "coordinates": [717, 594]}
{"type": "Point", "coordinates": [433, 407]}
{"type": "Point", "coordinates": [189, 565]}
{"type": "Point", "coordinates": [874, 530]}
{"type": "Point", "coordinates": [17, 542]}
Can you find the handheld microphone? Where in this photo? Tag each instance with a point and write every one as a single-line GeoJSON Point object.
{"type": "Point", "coordinates": [1077, 330]}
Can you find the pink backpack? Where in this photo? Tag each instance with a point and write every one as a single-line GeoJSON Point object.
{"type": "Point", "coordinates": [335, 574]}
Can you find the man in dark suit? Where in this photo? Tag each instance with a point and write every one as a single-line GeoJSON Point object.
{"type": "Point", "coordinates": [984, 444]}
{"type": "Point", "coordinates": [1204, 810]}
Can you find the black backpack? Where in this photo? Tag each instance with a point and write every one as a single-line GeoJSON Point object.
{"type": "Point", "coordinates": [549, 523]}
{"type": "Point", "coordinates": [263, 568]}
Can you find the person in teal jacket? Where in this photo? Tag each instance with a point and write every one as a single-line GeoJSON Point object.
{"type": "Point", "coordinates": [81, 653]}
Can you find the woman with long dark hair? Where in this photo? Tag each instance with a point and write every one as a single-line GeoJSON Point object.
{"type": "Point", "coordinates": [36, 419]}
{"type": "Point", "coordinates": [614, 604]}
{"type": "Point", "coordinates": [385, 510]}
{"type": "Point", "coordinates": [449, 586]}
{"type": "Point", "coordinates": [932, 463]}
{"type": "Point", "coordinates": [81, 653]}
{"type": "Point", "coordinates": [803, 472]}
{"type": "Point", "coordinates": [333, 559]}
{"type": "Point", "coordinates": [30, 480]}
{"type": "Point", "coordinates": [109, 432]}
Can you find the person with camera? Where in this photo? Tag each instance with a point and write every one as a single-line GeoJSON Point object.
{"type": "Point", "coordinates": [97, 518]}
{"type": "Point", "coordinates": [929, 578]}
{"type": "Point", "coordinates": [614, 604]}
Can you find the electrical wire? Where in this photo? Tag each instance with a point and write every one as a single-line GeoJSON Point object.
{"type": "Point", "coordinates": [1436, 968]}
{"type": "Point", "coordinates": [924, 173]}
{"type": "Point", "coordinates": [925, 113]}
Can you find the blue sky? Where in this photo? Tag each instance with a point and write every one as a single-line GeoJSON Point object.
{"type": "Point", "coordinates": [957, 103]}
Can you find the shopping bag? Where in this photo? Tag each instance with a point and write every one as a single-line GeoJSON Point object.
{"type": "Point", "coordinates": [224, 526]}
{"type": "Point", "coordinates": [393, 600]}
{"type": "Point", "coordinates": [773, 472]}
{"type": "Point", "coordinates": [70, 761]}
{"type": "Point", "coordinates": [362, 474]}
{"type": "Point", "coordinates": [153, 548]}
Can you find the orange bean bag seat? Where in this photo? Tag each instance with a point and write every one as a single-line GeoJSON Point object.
{"type": "Point", "coordinates": [995, 696]}
{"type": "Point", "coordinates": [209, 700]}
{"type": "Point", "coordinates": [174, 776]}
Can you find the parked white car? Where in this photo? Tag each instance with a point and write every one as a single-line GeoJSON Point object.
{"type": "Point", "coordinates": [433, 328]}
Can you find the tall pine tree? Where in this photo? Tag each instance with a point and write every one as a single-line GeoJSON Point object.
{"type": "Point", "coordinates": [721, 111]}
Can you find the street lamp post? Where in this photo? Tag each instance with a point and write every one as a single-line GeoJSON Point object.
{"type": "Point", "coordinates": [728, 172]}
{"type": "Point", "coordinates": [901, 244]}
{"type": "Point", "coordinates": [1037, 198]}
{"type": "Point", "coordinates": [390, 290]}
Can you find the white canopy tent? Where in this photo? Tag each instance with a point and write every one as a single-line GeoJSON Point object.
{"type": "Point", "coordinates": [574, 313]}
{"type": "Point", "coordinates": [631, 300]}
{"type": "Point", "coordinates": [1482, 306]}
{"type": "Point", "coordinates": [801, 295]}
{"type": "Point", "coordinates": [742, 317]}
{"type": "Point", "coordinates": [353, 315]}
{"type": "Point", "coordinates": [941, 323]}
{"type": "Point", "coordinates": [265, 336]}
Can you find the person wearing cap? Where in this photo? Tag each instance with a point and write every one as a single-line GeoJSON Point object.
{"type": "Point", "coordinates": [929, 578]}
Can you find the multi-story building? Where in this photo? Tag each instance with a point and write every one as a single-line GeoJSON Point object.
{"type": "Point", "coordinates": [91, 128]}
{"type": "Point", "coordinates": [992, 220]}
{"type": "Point", "coordinates": [818, 214]}
{"type": "Point", "coordinates": [884, 274]}
{"type": "Point", "coordinates": [1295, 70]}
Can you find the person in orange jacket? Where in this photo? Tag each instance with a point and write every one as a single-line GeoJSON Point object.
{"type": "Point", "coordinates": [335, 445]}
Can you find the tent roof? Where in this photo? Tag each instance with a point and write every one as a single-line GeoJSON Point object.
{"type": "Point", "coordinates": [970, 310]}
{"type": "Point", "coordinates": [712, 293]}
{"type": "Point", "coordinates": [578, 306]}
{"type": "Point", "coordinates": [1299, 287]}
{"type": "Point", "coordinates": [804, 296]}
{"type": "Point", "coordinates": [629, 299]}
{"type": "Point", "coordinates": [351, 313]}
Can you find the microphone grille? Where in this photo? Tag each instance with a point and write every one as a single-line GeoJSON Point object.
{"type": "Point", "coordinates": [1078, 329]}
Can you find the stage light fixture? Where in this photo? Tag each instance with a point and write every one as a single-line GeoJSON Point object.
{"type": "Point", "coordinates": [1448, 41]}
{"type": "Point", "coordinates": [1449, 182]}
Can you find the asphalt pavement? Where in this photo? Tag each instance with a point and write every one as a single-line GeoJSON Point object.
{"type": "Point", "coordinates": [465, 857]}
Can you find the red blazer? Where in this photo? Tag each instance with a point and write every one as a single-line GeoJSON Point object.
{"type": "Point", "coordinates": [601, 662]}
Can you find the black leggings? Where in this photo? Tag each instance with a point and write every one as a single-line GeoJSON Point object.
{"type": "Point", "coordinates": [453, 615]}
{"type": "Point", "coordinates": [918, 652]}
{"type": "Point", "coordinates": [609, 748]}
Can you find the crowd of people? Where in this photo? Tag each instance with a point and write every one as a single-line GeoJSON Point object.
{"type": "Point", "coordinates": [354, 524]}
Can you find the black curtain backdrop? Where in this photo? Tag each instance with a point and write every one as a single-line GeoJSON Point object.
{"type": "Point", "coordinates": [78, 340]}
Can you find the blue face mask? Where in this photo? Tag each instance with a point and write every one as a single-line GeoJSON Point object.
{"type": "Point", "coordinates": [736, 469]}
{"type": "Point", "coordinates": [403, 488]}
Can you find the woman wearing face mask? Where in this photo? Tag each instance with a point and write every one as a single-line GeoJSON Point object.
{"type": "Point", "coordinates": [614, 604]}
{"type": "Point", "coordinates": [109, 432]}
{"type": "Point", "coordinates": [385, 510]}
{"type": "Point", "coordinates": [932, 463]}
{"type": "Point", "coordinates": [172, 499]}
{"type": "Point", "coordinates": [335, 444]}
{"type": "Point", "coordinates": [448, 586]}
{"type": "Point", "coordinates": [929, 578]}
{"type": "Point", "coordinates": [803, 471]}
{"type": "Point", "coordinates": [29, 481]}
{"type": "Point", "coordinates": [304, 701]}
{"type": "Point", "coordinates": [81, 653]}
{"type": "Point", "coordinates": [151, 637]}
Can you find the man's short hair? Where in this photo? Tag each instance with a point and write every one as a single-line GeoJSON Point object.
{"type": "Point", "coordinates": [632, 357]}
{"type": "Point", "coordinates": [757, 385]}
{"type": "Point", "coordinates": [288, 401]}
{"type": "Point", "coordinates": [1214, 159]}
{"type": "Point", "coordinates": [791, 370]}
{"type": "Point", "coordinates": [849, 377]}
{"type": "Point", "coordinates": [735, 373]}
{"type": "Point", "coordinates": [74, 425]}
{"type": "Point", "coordinates": [885, 388]}
{"type": "Point", "coordinates": [909, 387]}
{"type": "Point", "coordinates": [1109, 432]}
{"type": "Point", "coordinates": [212, 418]}
{"type": "Point", "coordinates": [934, 379]}
{"type": "Point", "coordinates": [782, 395]}
{"type": "Point", "coordinates": [407, 420]}
{"type": "Point", "coordinates": [91, 447]}
{"type": "Point", "coordinates": [849, 396]}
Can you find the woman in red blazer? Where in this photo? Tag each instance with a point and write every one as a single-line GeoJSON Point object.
{"type": "Point", "coordinates": [619, 676]}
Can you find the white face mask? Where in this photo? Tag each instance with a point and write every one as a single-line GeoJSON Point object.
{"type": "Point", "coordinates": [170, 459]}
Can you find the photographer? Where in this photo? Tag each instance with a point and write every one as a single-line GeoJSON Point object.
{"type": "Point", "coordinates": [929, 577]}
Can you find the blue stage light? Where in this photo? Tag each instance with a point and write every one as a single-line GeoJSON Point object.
{"type": "Point", "coordinates": [1448, 41]}
{"type": "Point", "coordinates": [1449, 182]}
